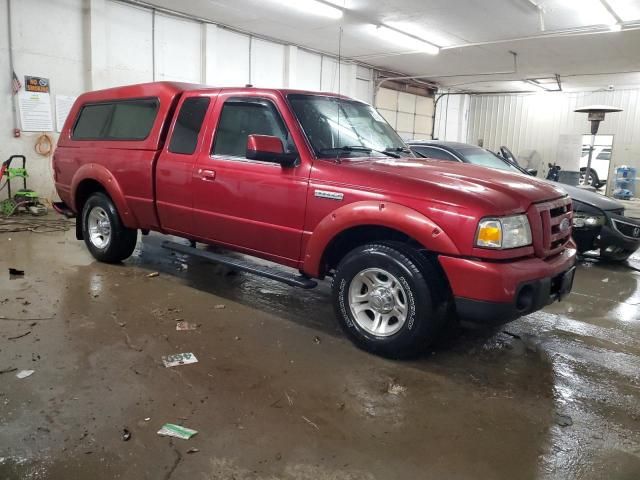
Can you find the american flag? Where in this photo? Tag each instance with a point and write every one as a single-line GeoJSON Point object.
{"type": "Point", "coordinates": [15, 83]}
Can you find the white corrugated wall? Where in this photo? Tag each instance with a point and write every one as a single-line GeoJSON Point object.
{"type": "Point", "coordinates": [536, 121]}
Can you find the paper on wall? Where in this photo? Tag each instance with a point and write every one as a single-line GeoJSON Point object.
{"type": "Point", "coordinates": [35, 112]}
{"type": "Point", "coordinates": [63, 106]}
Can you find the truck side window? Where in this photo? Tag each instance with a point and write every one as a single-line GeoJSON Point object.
{"type": "Point", "coordinates": [116, 120]}
{"type": "Point", "coordinates": [243, 117]}
{"type": "Point", "coordinates": [185, 134]}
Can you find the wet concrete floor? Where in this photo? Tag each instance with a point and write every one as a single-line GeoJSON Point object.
{"type": "Point", "coordinates": [279, 393]}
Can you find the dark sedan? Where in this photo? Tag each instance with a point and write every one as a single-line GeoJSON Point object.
{"type": "Point", "coordinates": [598, 222]}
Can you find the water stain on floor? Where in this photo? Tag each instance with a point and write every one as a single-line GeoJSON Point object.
{"type": "Point", "coordinates": [279, 393]}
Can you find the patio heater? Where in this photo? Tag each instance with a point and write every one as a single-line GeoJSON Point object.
{"type": "Point", "coordinates": [596, 115]}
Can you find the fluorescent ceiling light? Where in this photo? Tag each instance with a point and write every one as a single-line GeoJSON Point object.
{"type": "Point", "coordinates": [426, 33]}
{"type": "Point", "coordinates": [313, 7]}
{"type": "Point", "coordinates": [546, 84]}
{"type": "Point", "coordinates": [403, 40]}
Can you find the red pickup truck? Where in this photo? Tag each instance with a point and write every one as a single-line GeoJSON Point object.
{"type": "Point", "coordinates": [322, 184]}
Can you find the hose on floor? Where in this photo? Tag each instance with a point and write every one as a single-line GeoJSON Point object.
{"type": "Point", "coordinates": [15, 224]}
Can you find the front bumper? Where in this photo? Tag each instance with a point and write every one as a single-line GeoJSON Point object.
{"type": "Point", "coordinates": [496, 292]}
{"type": "Point", "coordinates": [621, 232]}
{"type": "Point", "coordinates": [618, 231]}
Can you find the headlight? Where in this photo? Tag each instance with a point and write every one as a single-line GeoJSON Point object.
{"type": "Point", "coordinates": [587, 216]}
{"type": "Point", "coordinates": [504, 232]}
{"type": "Point", "coordinates": [582, 219]}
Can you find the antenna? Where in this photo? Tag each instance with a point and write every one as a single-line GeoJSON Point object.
{"type": "Point", "coordinates": [339, 89]}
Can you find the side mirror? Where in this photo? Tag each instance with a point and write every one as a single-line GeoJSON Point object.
{"type": "Point", "coordinates": [267, 148]}
{"type": "Point", "coordinates": [532, 171]}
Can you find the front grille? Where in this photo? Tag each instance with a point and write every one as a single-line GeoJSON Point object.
{"type": "Point", "coordinates": [548, 226]}
{"type": "Point", "coordinates": [627, 229]}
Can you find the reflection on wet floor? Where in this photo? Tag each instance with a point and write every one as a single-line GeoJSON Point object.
{"type": "Point", "coordinates": [554, 395]}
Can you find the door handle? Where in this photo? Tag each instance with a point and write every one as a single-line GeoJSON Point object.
{"type": "Point", "coordinates": [207, 175]}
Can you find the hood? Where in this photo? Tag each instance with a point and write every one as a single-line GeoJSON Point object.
{"type": "Point", "coordinates": [498, 191]}
{"type": "Point", "coordinates": [591, 198]}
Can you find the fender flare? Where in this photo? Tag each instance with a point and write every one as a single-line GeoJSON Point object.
{"type": "Point", "coordinates": [374, 213]}
{"type": "Point", "coordinates": [100, 174]}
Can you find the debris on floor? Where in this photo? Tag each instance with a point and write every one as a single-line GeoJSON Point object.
{"type": "Point", "coordinates": [395, 389]}
{"type": "Point", "coordinates": [19, 336]}
{"type": "Point", "coordinates": [179, 359]}
{"type": "Point", "coordinates": [310, 423]}
{"type": "Point", "coordinates": [153, 275]}
{"type": "Point", "coordinates": [126, 435]}
{"type": "Point", "coordinates": [317, 340]}
{"type": "Point", "coordinates": [220, 306]}
{"type": "Point", "coordinates": [8, 370]}
{"type": "Point", "coordinates": [177, 431]}
{"type": "Point", "coordinates": [182, 325]}
{"type": "Point", "coordinates": [193, 450]}
{"type": "Point", "coordinates": [563, 420]}
{"type": "Point", "coordinates": [24, 374]}
{"type": "Point", "coordinates": [605, 280]}
{"type": "Point", "coordinates": [14, 272]}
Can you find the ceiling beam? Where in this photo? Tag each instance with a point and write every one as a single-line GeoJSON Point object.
{"type": "Point", "coordinates": [605, 4]}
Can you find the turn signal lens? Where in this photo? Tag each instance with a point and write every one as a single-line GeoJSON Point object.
{"type": "Point", "coordinates": [504, 232]}
{"type": "Point", "coordinates": [490, 234]}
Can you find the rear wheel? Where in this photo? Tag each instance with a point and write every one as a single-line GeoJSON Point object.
{"type": "Point", "coordinates": [106, 237]}
{"type": "Point", "coordinates": [388, 299]}
{"type": "Point", "coordinates": [594, 180]}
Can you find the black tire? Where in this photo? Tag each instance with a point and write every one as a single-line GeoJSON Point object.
{"type": "Point", "coordinates": [122, 240]}
{"type": "Point", "coordinates": [426, 299]}
{"type": "Point", "coordinates": [594, 180]}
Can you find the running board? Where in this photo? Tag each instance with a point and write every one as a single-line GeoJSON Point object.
{"type": "Point", "coordinates": [237, 264]}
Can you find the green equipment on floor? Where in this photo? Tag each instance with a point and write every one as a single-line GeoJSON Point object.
{"type": "Point", "coordinates": [24, 200]}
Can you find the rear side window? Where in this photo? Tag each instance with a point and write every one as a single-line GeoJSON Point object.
{"type": "Point", "coordinates": [120, 120]}
{"type": "Point", "coordinates": [188, 125]}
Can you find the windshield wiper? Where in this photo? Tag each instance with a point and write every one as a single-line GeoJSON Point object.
{"type": "Point", "coordinates": [398, 149]}
{"type": "Point", "coordinates": [359, 148]}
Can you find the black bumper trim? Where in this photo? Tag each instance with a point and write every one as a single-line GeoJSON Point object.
{"type": "Point", "coordinates": [540, 293]}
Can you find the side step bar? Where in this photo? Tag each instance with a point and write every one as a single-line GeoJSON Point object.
{"type": "Point", "coordinates": [272, 273]}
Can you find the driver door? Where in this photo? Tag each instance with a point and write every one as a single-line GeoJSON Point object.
{"type": "Point", "coordinates": [255, 206]}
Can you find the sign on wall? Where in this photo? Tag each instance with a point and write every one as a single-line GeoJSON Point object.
{"type": "Point", "coordinates": [35, 112]}
{"type": "Point", "coordinates": [36, 84]}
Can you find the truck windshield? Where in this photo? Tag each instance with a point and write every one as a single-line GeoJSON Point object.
{"type": "Point", "coordinates": [340, 127]}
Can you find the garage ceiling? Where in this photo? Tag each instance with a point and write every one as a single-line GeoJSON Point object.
{"type": "Point", "coordinates": [570, 38]}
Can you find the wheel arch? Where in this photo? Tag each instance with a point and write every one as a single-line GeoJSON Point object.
{"type": "Point", "coordinates": [363, 222]}
{"type": "Point", "coordinates": [92, 178]}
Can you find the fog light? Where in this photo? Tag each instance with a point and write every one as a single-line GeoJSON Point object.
{"type": "Point", "coordinates": [525, 298]}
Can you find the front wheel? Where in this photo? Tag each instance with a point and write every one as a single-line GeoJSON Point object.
{"type": "Point", "coordinates": [388, 299]}
{"type": "Point", "coordinates": [106, 237]}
